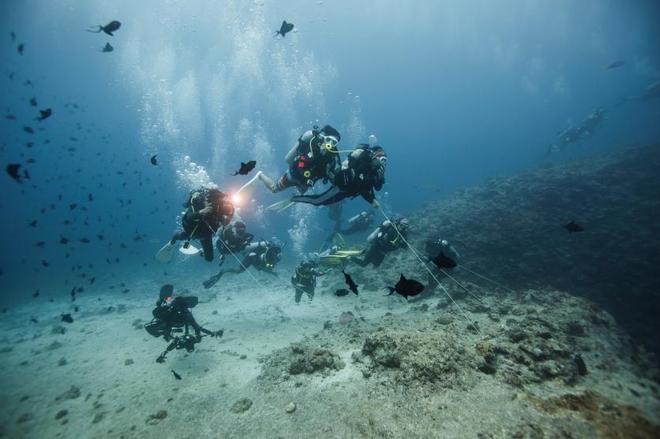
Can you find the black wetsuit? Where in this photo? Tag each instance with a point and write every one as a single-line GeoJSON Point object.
{"type": "Point", "coordinates": [304, 280]}
{"type": "Point", "coordinates": [169, 318]}
{"type": "Point", "coordinates": [361, 178]}
{"type": "Point", "coordinates": [206, 211]}
{"type": "Point", "coordinates": [231, 242]}
{"type": "Point", "coordinates": [386, 240]}
{"type": "Point", "coordinates": [261, 255]}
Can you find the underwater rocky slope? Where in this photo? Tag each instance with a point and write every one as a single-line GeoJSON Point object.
{"type": "Point", "coordinates": [511, 229]}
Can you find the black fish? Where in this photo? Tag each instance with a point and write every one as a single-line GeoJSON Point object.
{"type": "Point", "coordinates": [33, 102]}
{"type": "Point", "coordinates": [443, 261]}
{"type": "Point", "coordinates": [84, 240]}
{"type": "Point", "coordinates": [35, 294]}
{"type": "Point", "coordinates": [284, 29]}
{"type": "Point", "coordinates": [63, 240]}
{"type": "Point", "coordinates": [580, 365]}
{"type": "Point", "coordinates": [13, 171]}
{"type": "Point", "coordinates": [33, 223]}
{"type": "Point", "coordinates": [45, 114]}
{"type": "Point", "coordinates": [406, 287]}
{"type": "Point", "coordinates": [153, 160]}
{"type": "Point", "coordinates": [44, 263]}
{"type": "Point", "coordinates": [246, 167]}
{"type": "Point", "coordinates": [67, 318]}
{"type": "Point", "coordinates": [28, 130]}
{"type": "Point", "coordinates": [76, 309]}
{"type": "Point", "coordinates": [33, 320]}
{"type": "Point", "coordinates": [108, 28]}
{"type": "Point", "coordinates": [73, 294]}
{"type": "Point", "coordinates": [28, 82]}
{"type": "Point", "coordinates": [349, 281]}
{"type": "Point", "coordinates": [90, 197]}
{"type": "Point", "coordinates": [73, 206]}
{"type": "Point", "coordinates": [614, 65]}
{"type": "Point", "coordinates": [573, 227]}
{"type": "Point", "coordinates": [176, 375]}
{"type": "Point", "coordinates": [107, 48]}
{"type": "Point", "coordinates": [20, 48]}
{"type": "Point", "coordinates": [10, 117]}
{"type": "Point", "coordinates": [341, 292]}
{"type": "Point", "coordinates": [40, 243]}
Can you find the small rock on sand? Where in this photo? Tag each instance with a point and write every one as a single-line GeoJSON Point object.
{"type": "Point", "coordinates": [242, 405]}
{"type": "Point", "coordinates": [72, 393]}
{"type": "Point", "coordinates": [157, 417]}
{"type": "Point", "coordinates": [128, 362]}
{"type": "Point", "coordinates": [291, 407]}
{"type": "Point", "coordinates": [61, 414]}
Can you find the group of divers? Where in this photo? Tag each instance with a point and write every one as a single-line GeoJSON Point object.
{"type": "Point", "coordinates": [209, 214]}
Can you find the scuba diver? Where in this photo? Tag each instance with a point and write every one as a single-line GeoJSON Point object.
{"type": "Point", "coordinates": [578, 132]}
{"type": "Point", "coordinates": [312, 158]}
{"type": "Point", "coordinates": [383, 240]}
{"type": "Point", "coordinates": [304, 279]}
{"type": "Point", "coordinates": [206, 210]}
{"type": "Point", "coordinates": [262, 255]}
{"type": "Point", "coordinates": [233, 239]}
{"type": "Point", "coordinates": [361, 174]}
{"type": "Point", "coordinates": [172, 314]}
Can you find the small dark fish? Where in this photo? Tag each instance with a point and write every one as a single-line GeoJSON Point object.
{"type": "Point", "coordinates": [108, 28]}
{"type": "Point", "coordinates": [84, 240]}
{"type": "Point", "coordinates": [33, 102]}
{"type": "Point", "coordinates": [73, 294]}
{"type": "Point", "coordinates": [73, 206]}
{"type": "Point", "coordinates": [33, 320]}
{"type": "Point", "coordinates": [285, 28]}
{"type": "Point", "coordinates": [90, 197]}
{"type": "Point", "coordinates": [614, 65]}
{"type": "Point", "coordinates": [76, 309]}
{"type": "Point", "coordinates": [154, 160]}
{"type": "Point", "coordinates": [107, 48]}
{"type": "Point", "coordinates": [45, 114]}
{"type": "Point", "coordinates": [44, 263]}
{"type": "Point", "coordinates": [63, 240]}
{"type": "Point", "coordinates": [33, 223]}
{"type": "Point", "coordinates": [443, 261]}
{"type": "Point", "coordinates": [67, 318]}
{"type": "Point", "coordinates": [13, 171]}
{"type": "Point", "coordinates": [10, 117]}
{"type": "Point", "coordinates": [29, 144]}
{"type": "Point", "coordinates": [35, 294]}
{"type": "Point", "coordinates": [28, 130]}
{"type": "Point", "coordinates": [341, 292]}
{"type": "Point", "coordinates": [246, 168]}
{"type": "Point", "coordinates": [349, 281]}
{"type": "Point", "coordinates": [406, 287]}
{"type": "Point", "coordinates": [12, 34]}
{"type": "Point", "coordinates": [40, 243]}
{"type": "Point", "coordinates": [20, 49]}
{"type": "Point", "coordinates": [28, 82]}
{"type": "Point", "coordinates": [176, 375]}
{"type": "Point", "coordinates": [573, 227]}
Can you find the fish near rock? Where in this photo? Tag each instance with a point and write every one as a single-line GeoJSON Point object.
{"type": "Point", "coordinates": [109, 28]}
{"type": "Point", "coordinates": [406, 287]}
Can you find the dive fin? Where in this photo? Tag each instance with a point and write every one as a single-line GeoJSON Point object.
{"type": "Point", "coordinates": [189, 249]}
{"type": "Point", "coordinates": [164, 255]}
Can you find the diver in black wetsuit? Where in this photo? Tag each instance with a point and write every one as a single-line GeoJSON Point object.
{"type": "Point", "coordinates": [206, 210]}
{"type": "Point", "coordinates": [172, 314]}
{"type": "Point", "coordinates": [304, 279]}
{"type": "Point", "coordinates": [383, 240]}
{"type": "Point", "coordinates": [262, 255]}
{"type": "Point", "coordinates": [362, 174]}
{"type": "Point", "coordinates": [233, 239]}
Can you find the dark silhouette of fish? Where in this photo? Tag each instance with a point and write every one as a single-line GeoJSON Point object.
{"type": "Point", "coordinates": [67, 318]}
{"type": "Point", "coordinates": [13, 169]}
{"type": "Point", "coordinates": [406, 287]}
{"type": "Point", "coordinates": [20, 49]}
{"type": "Point", "coordinates": [246, 168]}
{"type": "Point", "coordinates": [349, 281]}
{"type": "Point", "coordinates": [40, 243]}
{"type": "Point", "coordinates": [12, 34]}
{"type": "Point", "coordinates": [573, 227]}
{"type": "Point", "coordinates": [107, 48]}
{"type": "Point", "coordinates": [33, 223]}
{"type": "Point", "coordinates": [176, 375]}
{"type": "Point", "coordinates": [443, 261]}
{"type": "Point", "coordinates": [10, 117]}
{"type": "Point", "coordinates": [28, 130]}
{"type": "Point", "coordinates": [44, 263]}
{"type": "Point", "coordinates": [35, 294]}
{"type": "Point", "coordinates": [154, 160]}
{"type": "Point", "coordinates": [285, 28]}
{"type": "Point", "coordinates": [84, 240]}
{"type": "Point", "coordinates": [73, 206]}
{"type": "Point", "coordinates": [109, 28]}
{"type": "Point", "coordinates": [614, 65]}
{"type": "Point", "coordinates": [45, 114]}
{"type": "Point", "coordinates": [341, 292]}
{"type": "Point", "coordinates": [28, 82]}
{"type": "Point", "coordinates": [33, 102]}
{"type": "Point", "coordinates": [63, 240]}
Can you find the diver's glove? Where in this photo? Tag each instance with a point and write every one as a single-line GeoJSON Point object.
{"type": "Point", "coordinates": [160, 359]}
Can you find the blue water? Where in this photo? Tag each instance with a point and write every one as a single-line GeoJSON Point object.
{"type": "Point", "coordinates": [457, 92]}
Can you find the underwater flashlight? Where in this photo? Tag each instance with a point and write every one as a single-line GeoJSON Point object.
{"type": "Point", "coordinates": [236, 199]}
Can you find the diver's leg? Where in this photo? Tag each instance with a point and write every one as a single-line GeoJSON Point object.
{"type": "Point", "coordinates": [298, 294]}
{"type": "Point", "coordinates": [207, 248]}
{"type": "Point", "coordinates": [331, 196]}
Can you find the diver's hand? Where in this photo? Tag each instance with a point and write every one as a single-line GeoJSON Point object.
{"type": "Point", "coordinates": [160, 359]}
